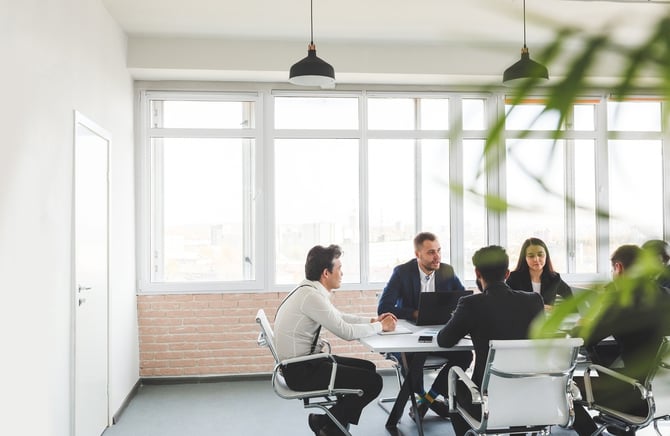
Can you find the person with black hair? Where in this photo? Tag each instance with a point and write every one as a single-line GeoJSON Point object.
{"type": "Point", "coordinates": [497, 312]}
{"type": "Point", "coordinates": [297, 327]}
{"type": "Point", "coordinates": [637, 318]}
{"type": "Point", "coordinates": [534, 272]}
{"type": "Point", "coordinates": [662, 250]}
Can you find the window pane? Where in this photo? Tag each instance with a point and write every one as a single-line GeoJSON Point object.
{"type": "Point", "coordinates": [585, 117]}
{"type": "Point", "coordinates": [534, 211]}
{"type": "Point", "coordinates": [474, 208]}
{"type": "Point", "coordinates": [434, 114]}
{"type": "Point", "coordinates": [205, 114]}
{"type": "Point", "coordinates": [435, 192]}
{"type": "Point", "coordinates": [474, 114]}
{"type": "Point", "coordinates": [636, 116]}
{"type": "Point", "coordinates": [391, 205]}
{"type": "Point", "coordinates": [585, 207]}
{"type": "Point", "coordinates": [391, 114]}
{"type": "Point", "coordinates": [530, 117]}
{"type": "Point", "coordinates": [316, 113]}
{"type": "Point", "coordinates": [203, 210]}
{"type": "Point", "coordinates": [316, 203]}
{"type": "Point", "coordinates": [636, 192]}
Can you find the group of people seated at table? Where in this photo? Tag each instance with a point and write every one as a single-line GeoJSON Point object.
{"type": "Point", "coordinates": [505, 307]}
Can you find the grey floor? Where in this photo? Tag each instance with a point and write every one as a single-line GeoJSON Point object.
{"type": "Point", "coordinates": [250, 407]}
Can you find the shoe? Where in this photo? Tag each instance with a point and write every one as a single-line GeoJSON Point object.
{"type": "Point", "coordinates": [421, 407]}
{"type": "Point", "coordinates": [316, 422]}
{"type": "Point", "coordinates": [439, 407]}
{"type": "Point", "coordinates": [330, 430]}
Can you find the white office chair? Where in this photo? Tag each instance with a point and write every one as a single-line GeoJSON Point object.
{"type": "Point", "coordinates": [525, 388]}
{"type": "Point", "coordinates": [320, 399]}
{"type": "Point", "coordinates": [655, 391]}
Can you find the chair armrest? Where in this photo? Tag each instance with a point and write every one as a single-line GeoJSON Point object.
{"type": "Point", "coordinates": [306, 358]}
{"type": "Point", "coordinates": [331, 390]}
{"type": "Point", "coordinates": [457, 374]}
{"type": "Point", "coordinates": [644, 392]}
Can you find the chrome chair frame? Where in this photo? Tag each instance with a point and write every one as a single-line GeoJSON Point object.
{"type": "Point", "coordinates": [321, 398]}
{"type": "Point", "coordinates": [658, 403]}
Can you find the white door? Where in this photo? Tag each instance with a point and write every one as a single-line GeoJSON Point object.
{"type": "Point", "coordinates": [91, 187]}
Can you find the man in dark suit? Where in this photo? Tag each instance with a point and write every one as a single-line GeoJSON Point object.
{"type": "Point", "coordinates": [637, 318]}
{"type": "Point", "coordinates": [498, 312]}
{"type": "Point", "coordinates": [425, 273]}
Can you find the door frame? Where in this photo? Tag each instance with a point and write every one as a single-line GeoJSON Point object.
{"type": "Point", "coordinates": [81, 120]}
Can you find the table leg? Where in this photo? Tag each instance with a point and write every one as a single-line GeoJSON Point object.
{"type": "Point", "coordinates": [406, 392]}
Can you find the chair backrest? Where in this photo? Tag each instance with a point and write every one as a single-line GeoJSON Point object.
{"type": "Point", "coordinates": [527, 381]}
{"type": "Point", "coordinates": [266, 337]}
{"type": "Point", "coordinates": [660, 380]}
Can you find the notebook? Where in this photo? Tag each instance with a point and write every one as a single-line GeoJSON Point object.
{"type": "Point", "coordinates": [436, 307]}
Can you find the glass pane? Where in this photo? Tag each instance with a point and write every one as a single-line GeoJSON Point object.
{"type": "Point", "coordinates": [474, 114]}
{"type": "Point", "coordinates": [585, 117]}
{"type": "Point", "coordinates": [316, 203]}
{"type": "Point", "coordinates": [636, 191]}
{"type": "Point", "coordinates": [206, 114]}
{"type": "Point", "coordinates": [530, 117]}
{"type": "Point", "coordinates": [640, 116]}
{"type": "Point", "coordinates": [434, 114]}
{"type": "Point", "coordinates": [535, 211]}
{"type": "Point", "coordinates": [391, 204]}
{"type": "Point", "coordinates": [391, 114]}
{"type": "Point", "coordinates": [316, 113]}
{"type": "Point", "coordinates": [585, 207]}
{"type": "Point", "coordinates": [474, 207]}
{"type": "Point", "coordinates": [435, 192]}
{"type": "Point", "coordinates": [203, 209]}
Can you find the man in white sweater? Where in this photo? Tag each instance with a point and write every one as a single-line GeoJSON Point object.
{"type": "Point", "coordinates": [297, 326]}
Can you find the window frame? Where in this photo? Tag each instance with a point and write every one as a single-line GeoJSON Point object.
{"type": "Point", "coordinates": [149, 205]}
{"type": "Point", "coordinates": [264, 135]}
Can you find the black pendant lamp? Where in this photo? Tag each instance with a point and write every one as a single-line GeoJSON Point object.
{"type": "Point", "coordinates": [312, 70]}
{"type": "Point", "coordinates": [525, 68]}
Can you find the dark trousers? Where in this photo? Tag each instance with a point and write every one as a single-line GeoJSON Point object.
{"type": "Point", "coordinates": [454, 358]}
{"type": "Point", "coordinates": [352, 373]}
{"type": "Point", "coordinates": [609, 392]}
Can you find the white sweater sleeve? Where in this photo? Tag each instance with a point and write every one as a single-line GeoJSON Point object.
{"type": "Point", "coordinates": [344, 326]}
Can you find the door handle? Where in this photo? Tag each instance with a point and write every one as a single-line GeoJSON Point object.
{"type": "Point", "coordinates": [83, 288]}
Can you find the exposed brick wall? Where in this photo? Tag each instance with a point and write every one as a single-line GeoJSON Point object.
{"type": "Point", "coordinates": [215, 334]}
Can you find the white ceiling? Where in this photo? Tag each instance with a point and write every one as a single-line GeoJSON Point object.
{"type": "Point", "coordinates": [381, 20]}
{"type": "Point", "coordinates": [357, 23]}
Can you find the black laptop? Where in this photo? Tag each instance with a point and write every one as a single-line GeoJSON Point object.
{"type": "Point", "coordinates": [435, 308]}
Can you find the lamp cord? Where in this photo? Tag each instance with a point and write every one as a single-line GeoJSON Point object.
{"type": "Point", "coordinates": [524, 23]}
{"type": "Point", "coordinates": [311, 22]}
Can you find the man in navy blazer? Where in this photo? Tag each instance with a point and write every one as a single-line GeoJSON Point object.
{"type": "Point", "coordinates": [498, 312]}
{"type": "Point", "coordinates": [424, 273]}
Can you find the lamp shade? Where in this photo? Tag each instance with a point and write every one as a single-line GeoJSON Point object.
{"type": "Point", "coordinates": [525, 68]}
{"type": "Point", "coordinates": [312, 71]}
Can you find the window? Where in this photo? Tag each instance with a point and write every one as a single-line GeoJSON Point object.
{"type": "Point", "coordinates": [200, 159]}
{"type": "Point", "coordinates": [551, 184]}
{"type": "Point", "coordinates": [237, 186]}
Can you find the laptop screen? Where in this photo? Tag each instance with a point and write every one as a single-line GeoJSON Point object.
{"type": "Point", "coordinates": [435, 308]}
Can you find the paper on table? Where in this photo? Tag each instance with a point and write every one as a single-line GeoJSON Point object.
{"type": "Point", "coordinates": [399, 330]}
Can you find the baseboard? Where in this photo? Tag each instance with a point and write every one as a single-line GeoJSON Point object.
{"type": "Point", "coordinates": [126, 401]}
{"type": "Point", "coordinates": [224, 378]}
{"type": "Point", "coordinates": [204, 379]}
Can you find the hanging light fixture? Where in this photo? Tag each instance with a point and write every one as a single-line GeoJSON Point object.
{"type": "Point", "coordinates": [312, 70]}
{"type": "Point", "coordinates": [526, 67]}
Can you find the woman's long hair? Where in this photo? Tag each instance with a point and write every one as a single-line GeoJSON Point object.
{"type": "Point", "coordinates": [522, 265]}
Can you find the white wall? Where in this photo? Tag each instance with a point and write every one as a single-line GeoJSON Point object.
{"type": "Point", "coordinates": [58, 56]}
